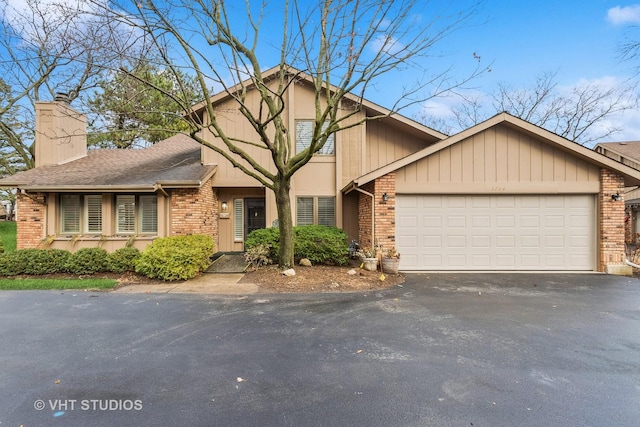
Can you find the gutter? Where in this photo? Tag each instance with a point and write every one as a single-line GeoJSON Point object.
{"type": "Point", "coordinates": [355, 187]}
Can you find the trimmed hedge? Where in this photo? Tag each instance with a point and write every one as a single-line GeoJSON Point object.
{"type": "Point", "coordinates": [318, 243]}
{"type": "Point", "coordinates": [123, 259]}
{"type": "Point", "coordinates": [176, 257]}
{"type": "Point", "coordinates": [88, 261]}
{"type": "Point", "coordinates": [33, 261]}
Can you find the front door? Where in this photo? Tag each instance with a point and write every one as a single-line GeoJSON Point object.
{"type": "Point", "coordinates": [254, 217]}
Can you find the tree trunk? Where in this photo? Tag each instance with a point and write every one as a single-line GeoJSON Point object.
{"type": "Point", "coordinates": [285, 222]}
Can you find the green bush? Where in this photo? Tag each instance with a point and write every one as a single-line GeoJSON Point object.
{"type": "Point", "coordinates": [33, 261]}
{"type": "Point", "coordinates": [122, 260]}
{"type": "Point", "coordinates": [13, 263]}
{"type": "Point", "coordinates": [176, 257]}
{"type": "Point", "coordinates": [265, 237]}
{"type": "Point", "coordinates": [318, 243]}
{"type": "Point", "coordinates": [45, 261]}
{"type": "Point", "coordinates": [87, 261]}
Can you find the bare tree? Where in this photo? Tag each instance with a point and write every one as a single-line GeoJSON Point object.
{"type": "Point", "coordinates": [343, 46]}
{"type": "Point", "coordinates": [49, 47]}
{"type": "Point", "coordinates": [580, 113]}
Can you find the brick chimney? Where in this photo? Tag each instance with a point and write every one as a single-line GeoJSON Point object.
{"type": "Point", "coordinates": [61, 132]}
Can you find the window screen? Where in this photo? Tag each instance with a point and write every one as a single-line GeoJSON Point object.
{"type": "Point", "coordinates": [149, 214]}
{"type": "Point", "coordinates": [304, 134]}
{"type": "Point", "coordinates": [94, 213]}
{"type": "Point", "coordinates": [304, 211]}
{"type": "Point", "coordinates": [70, 208]}
{"type": "Point", "coordinates": [238, 220]}
{"type": "Point", "coordinates": [125, 214]}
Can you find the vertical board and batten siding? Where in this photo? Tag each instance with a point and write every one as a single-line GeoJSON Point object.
{"type": "Point", "coordinates": [500, 199]}
{"type": "Point", "coordinates": [499, 160]}
{"type": "Point", "coordinates": [386, 143]}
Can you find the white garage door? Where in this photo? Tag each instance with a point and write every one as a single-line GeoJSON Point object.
{"type": "Point", "coordinates": [496, 232]}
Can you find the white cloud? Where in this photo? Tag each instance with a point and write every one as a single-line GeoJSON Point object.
{"type": "Point", "coordinates": [624, 15]}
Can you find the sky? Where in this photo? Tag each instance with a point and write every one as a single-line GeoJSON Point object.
{"type": "Point", "coordinates": [579, 40]}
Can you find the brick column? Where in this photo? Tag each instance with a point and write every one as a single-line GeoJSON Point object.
{"type": "Point", "coordinates": [385, 213]}
{"type": "Point", "coordinates": [30, 220]}
{"type": "Point", "coordinates": [611, 231]}
{"type": "Point", "coordinates": [194, 211]}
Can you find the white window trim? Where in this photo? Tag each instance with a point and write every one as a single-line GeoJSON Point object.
{"type": "Point", "coordinates": [238, 220]}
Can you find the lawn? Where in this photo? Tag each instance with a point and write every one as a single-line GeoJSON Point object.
{"type": "Point", "coordinates": [44, 284]}
{"type": "Point", "coordinates": [8, 235]}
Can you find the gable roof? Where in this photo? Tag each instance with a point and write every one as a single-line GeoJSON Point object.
{"type": "Point", "coordinates": [627, 152]}
{"type": "Point", "coordinates": [171, 163]}
{"type": "Point", "coordinates": [369, 107]}
{"type": "Point", "coordinates": [631, 175]}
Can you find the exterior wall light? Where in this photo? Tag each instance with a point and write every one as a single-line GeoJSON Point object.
{"type": "Point", "coordinates": [225, 207]}
{"type": "Point", "coordinates": [385, 197]}
{"type": "Point", "coordinates": [616, 197]}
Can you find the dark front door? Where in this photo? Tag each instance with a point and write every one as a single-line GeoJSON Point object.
{"type": "Point", "coordinates": [254, 217]}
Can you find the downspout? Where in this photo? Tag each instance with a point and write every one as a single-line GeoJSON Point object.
{"type": "Point", "coordinates": [373, 214]}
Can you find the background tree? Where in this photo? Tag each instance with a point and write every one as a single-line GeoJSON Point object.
{"type": "Point", "coordinates": [48, 47]}
{"type": "Point", "coordinates": [580, 113]}
{"type": "Point", "coordinates": [343, 46]}
{"type": "Point", "coordinates": [132, 109]}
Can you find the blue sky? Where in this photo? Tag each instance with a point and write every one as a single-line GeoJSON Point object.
{"type": "Point", "coordinates": [578, 39]}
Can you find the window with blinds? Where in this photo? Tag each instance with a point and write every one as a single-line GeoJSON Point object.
{"type": "Point", "coordinates": [126, 214]}
{"type": "Point", "coordinates": [149, 214]}
{"type": "Point", "coordinates": [93, 213]}
{"type": "Point", "coordinates": [316, 210]}
{"type": "Point", "coordinates": [238, 220]}
{"type": "Point", "coordinates": [327, 211]}
{"type": "Point", "coordinates": [70, 211]}
{"type": "Point", "coordinates": [304, 135]}
{"type": "Point", "coordinates": [304, 211]}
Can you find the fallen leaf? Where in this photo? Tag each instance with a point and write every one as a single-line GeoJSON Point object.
{"type": "Point", "coordinates": [57, 381]}
{"type": "Point", "coordinates": [359, 351]}
{"type": "Point", "coordinates": [240, 379]}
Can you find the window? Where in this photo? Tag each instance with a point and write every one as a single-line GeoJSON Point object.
{"type": "Point", "coordinates": [136, 214]}
{"type": "Point", "coordinates": [316, 210]}
{"type": "Point", "coordinates": [80, 214]}
{"type": "Point", "coordinates": [304, 134]}
{"type": "Point", "coordinates": [238, 220]}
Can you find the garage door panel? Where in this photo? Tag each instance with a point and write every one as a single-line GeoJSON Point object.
{"type": "Point", "coordinates": [552, 232]}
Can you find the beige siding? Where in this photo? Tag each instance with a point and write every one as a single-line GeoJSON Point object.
{"type": "Point", "coordinates": [499, 160]}
{"type": "Point", "coordinates": [386, 143]}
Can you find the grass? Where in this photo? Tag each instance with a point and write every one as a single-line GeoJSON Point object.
{"type": "Point", "coordinates": [49, 284]}
{"type": "Point", "coordinates": [8, 235]}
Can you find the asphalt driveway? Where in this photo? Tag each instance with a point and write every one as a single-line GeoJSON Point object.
{"type": "Point", "coordinates": [443, 350]}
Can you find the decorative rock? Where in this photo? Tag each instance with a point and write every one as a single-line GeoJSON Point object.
{"type": "Point", "coordinates": [305, 262]}
{"type": "Point", "coordinates": [352, 272]}
{"type": "Point", "coordinates": [289, 272]}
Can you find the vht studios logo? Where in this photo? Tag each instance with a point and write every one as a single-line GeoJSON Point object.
{"type": "Point", "coordinates": [88, 405]}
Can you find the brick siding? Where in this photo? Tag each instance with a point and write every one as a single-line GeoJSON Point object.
{"type": "Point", "coordinates": [385, 213]}
{"type": "Point", "coordinates": [30, 220]}
{"type": "Point", "coordinates": [194, 211]}
{"type": "Point", "coordinates": [611, 233]}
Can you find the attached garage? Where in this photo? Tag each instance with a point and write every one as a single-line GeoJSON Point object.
{"type": "Point", "coordinates": [502, 232]}
{"type": "Point", "coordinates": [502, 195]}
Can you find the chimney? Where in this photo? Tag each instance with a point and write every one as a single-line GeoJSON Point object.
{"type": "Point", "coordinates": [61, 132]}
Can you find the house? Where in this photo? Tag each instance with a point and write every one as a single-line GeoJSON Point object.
{"type": "Point", "coordinates": [501, 195]}
{"type": "Point", "coordinates": [628, 153]}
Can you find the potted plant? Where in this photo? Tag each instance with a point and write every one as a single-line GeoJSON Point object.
{"type": "Point", "coordinates": [391, 261]}
{"type": "Point", "coordinates": [369, 257]}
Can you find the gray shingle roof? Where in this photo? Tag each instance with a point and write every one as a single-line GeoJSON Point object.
{"type": "Point", "coordinates": [629, 149]}
{"type": "Point", "coordinates": [173, 162]}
